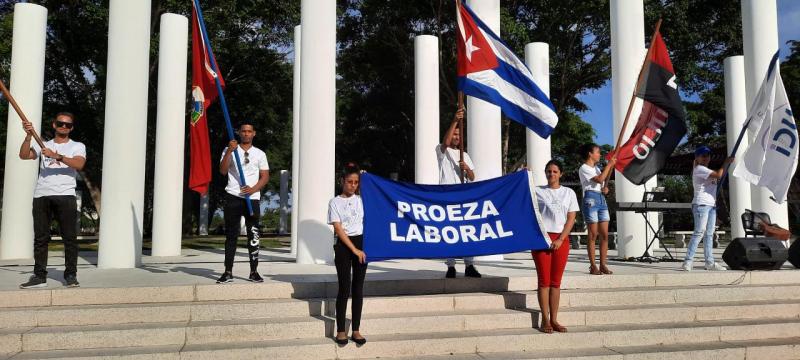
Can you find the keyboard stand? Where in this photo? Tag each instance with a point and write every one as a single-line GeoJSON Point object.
{"type": "Point", "coordinates": [646, 257]}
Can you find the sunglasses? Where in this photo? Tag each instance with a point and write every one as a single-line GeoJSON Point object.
{"type": "Point", "coordinates": [64, 124]}
{"type": "Point", "coordinates": [246, 158]}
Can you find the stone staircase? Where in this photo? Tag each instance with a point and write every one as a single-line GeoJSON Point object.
{"type": "Point", "coordinates": [699, 315]}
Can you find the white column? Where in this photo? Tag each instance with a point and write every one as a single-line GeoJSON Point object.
{"type": "Point", "coordinates": [484, 130]}
{"type": "Point", "coordinates": [426, 109]}
{"type": "Point", "coordinates": [627, 54]}
{"type": "Point", "coordinates": [296, 134]}
{"type": "Point", "coordinates": [317, 130]}
{"type": "Point", "coordinates": [202, 218]}
{"type": "Point", "coordinates": [735, 116]}
{"type": "Point", "coordinates": [170, 128]}
{"type": "Point", "coordinates": [125, 134]}
{"type": "Point", "coordinates": [537, 58]}
{"type": "Point", "coordinates": [284, 202]}
{"type": "Point", "coordinates": [760, 42]}
{"type": "Point", "coordinates": [26, 85]}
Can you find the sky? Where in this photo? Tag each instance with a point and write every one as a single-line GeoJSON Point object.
{"type": "Point", "coordinates": [599, 101]}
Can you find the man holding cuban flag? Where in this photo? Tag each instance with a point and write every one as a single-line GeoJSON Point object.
{"type": "Point", "coordinates": [489, 70]}
{"type": "Point", "coordinates": [772, 158]}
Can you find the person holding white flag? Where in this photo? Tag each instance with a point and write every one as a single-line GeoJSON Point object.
{"type": "Point", "coordinates": [772, 158]}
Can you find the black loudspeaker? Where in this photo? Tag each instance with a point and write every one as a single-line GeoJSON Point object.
{"type": "Point", "coordinates": [794, 254]}
{"type": "Point", "coordinates": [755, 253]}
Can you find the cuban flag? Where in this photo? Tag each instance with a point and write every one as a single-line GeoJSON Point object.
{"type": "Point", "coordinates": [489, 70]}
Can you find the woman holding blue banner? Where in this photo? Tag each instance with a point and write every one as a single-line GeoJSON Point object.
{"type": "Point", "coordinates": [346, 214]}
{"type": "Point", "coordinates": [595, 208]}
{"type": "Point", "coordinates": [558, 206]}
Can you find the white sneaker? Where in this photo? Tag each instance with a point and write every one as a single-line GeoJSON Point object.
{"type": "Point", "coordinates": [687, 266]}
{"type": "Point", "coordinates": [716, 267]}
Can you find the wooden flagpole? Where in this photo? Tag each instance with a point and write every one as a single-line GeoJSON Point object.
{"type": "Point", "coordinates": [22, 116]}
{"type": "Point", "coordinates": [461, 136]}
{"type": "Point", "coordinates": [638, 84]}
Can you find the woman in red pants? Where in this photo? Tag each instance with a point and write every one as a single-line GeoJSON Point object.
{"type": "Point", "coordinates": [558, 206]}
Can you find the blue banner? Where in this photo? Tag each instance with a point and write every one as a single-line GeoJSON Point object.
{"type": "Point", "coordinates": [403, 221]}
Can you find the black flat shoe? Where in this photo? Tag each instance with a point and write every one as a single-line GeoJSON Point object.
{"type": "Point", "coordinates": [341, 341]}
{"type": "Point", "coordinates": [472, 272]}
{"type": "Point", "coordinates": [361, 341]}
{"type": "Point", "coordinates": [451, 272]}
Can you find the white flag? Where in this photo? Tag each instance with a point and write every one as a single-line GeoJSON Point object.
{"type": "Point", "coordinates": [771, 159]}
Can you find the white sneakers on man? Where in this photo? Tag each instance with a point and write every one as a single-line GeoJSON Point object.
{"type": "Point", "coordinates": [715, 267]}
{"type": "Point", "coordinates": [687, 266]}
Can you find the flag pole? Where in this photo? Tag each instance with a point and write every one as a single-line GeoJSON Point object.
{"type": "Point", "coordinates": [222, 102]}
{"type": "Point", "coordinates": [22, 116]}
{"type": "Point", "coordinates": [733, 153]}
{"type": "Point", "coordinates": [460, 136]}
{"type": "Point", "coordinates": [744, 130]}
{"type": "Point", "coordinates": [638, 84]}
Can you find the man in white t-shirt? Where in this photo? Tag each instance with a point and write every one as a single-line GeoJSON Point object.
{"type": "Point", "coordinates": [256, 173]}
{"type": "Point", "coordinates": [704, 208]}
{"type": "Point", "coordinates": [54, 197]}
{"type": "Point", "coordinates": [451, 171]}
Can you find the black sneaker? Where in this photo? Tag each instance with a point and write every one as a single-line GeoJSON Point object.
{"type": "Point", "coordinates": [472, 272]}
{"type": "Point", "coordinates": [225, 278]}
{"type": "Point", "coordinates": [451, 272]}
{"type": "Point", "coordinates": [34, 283]}
{"type": "Point", "coordinates": [254, 277]}
{"type": "Point", "coordinates": [72, 281]}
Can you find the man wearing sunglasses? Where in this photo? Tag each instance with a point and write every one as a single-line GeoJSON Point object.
{"type": "Point", "coordinates": [256, 174]}
{"type": "Point", "coordinates": [54, 197]}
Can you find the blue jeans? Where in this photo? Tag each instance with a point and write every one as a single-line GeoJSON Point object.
{"type": "Point", "coordinates": [594, 208]}
{"type": "Point", "coordinates": [705, 219]}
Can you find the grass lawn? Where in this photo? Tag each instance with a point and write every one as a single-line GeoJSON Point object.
{"type": "Point", "coordinates": [195, 243]}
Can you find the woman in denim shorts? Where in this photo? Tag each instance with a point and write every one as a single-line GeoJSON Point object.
{"type": "Point", "coordinates": [594, 206]}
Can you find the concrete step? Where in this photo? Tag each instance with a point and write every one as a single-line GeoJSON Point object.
{"type": "Point", "coordinates": [414, 345]}
{"type": "Point", "coordinates": [770, 349]}
{"type": "Point", "coordinates": [168, 333]}
{"type": "Point", "coordinates": [257, 329]}
{"type": "Point", "coordinates": [375, 287]}
{"type": "Point", "coordinates": [232, 331]}
{"type": "Point", "coordinates": [576, 298]}
{"type": "Point", "coordinates": [152, 313]}
{"type": "Point", "coordinates": [692, 296]}
{"type": "Point", "coordinates": [465, 320]}
{"type": "Point", "coordinates": [711, 340]}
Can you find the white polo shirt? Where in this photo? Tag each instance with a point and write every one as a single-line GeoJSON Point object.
{"type": "Point", "coordinates": [586, 174]}
{"type": "Point", "coordinates": [705, 187]}
{"type": "Point", "coordinates": [253, 161]}
{"type": "Point", "coordinates": [349, 211]}
{"type": "Point", "coordinates": [449, 170]}
{"type": "Point", "coordinates": [555, 205]}
{"type": "Point", "coordinates": [55, 177]}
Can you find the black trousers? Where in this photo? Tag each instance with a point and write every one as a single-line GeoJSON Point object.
{"type": "Point", "coordinates": [235, 208]}
{"type": "Point", "coordinates": [346, 261]}
{"type": "Point", "coordinates": [65, 211]}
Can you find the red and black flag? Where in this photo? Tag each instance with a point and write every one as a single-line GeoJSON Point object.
{"type": "Point", "coordinates": [661, 125]}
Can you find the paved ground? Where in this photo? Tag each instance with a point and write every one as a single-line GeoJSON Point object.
{"type": "Point", "coordinates": [204, 266]}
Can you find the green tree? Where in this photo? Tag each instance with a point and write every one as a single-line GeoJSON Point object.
{"type": "Point", "coordinates": [250, 40]}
